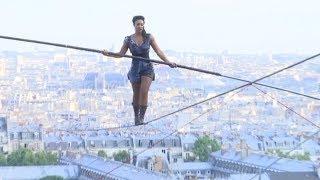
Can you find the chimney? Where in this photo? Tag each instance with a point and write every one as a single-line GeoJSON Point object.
{"type": "Point", "coordinates": [158, 164]}
{"type": "Point", "coordinates": [169, 156]}
{"type": "Point", "coordinates": [131, 155]}
{"type": "Point", "coordinates": [244, 149]}
{"type": "Point", "coordinates": [78, 156]}
{"type": "Point", "coordinates": [224, 148]}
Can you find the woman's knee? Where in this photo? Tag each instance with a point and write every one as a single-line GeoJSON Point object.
{"type": "Point", "coordinates": [144, 91]}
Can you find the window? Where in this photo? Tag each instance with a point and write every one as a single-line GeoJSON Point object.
{"type": "Point", "coordinates": [259, 146]}
{"type": "Point", "coordinates": [187, 155]}
{"type": "Point", "coordinates": [174, 143]}
{"type": "Point", "coordinates": [162, 143]}
{"type": "Point", "coordinates": [139, 143]}
{"type": "Point", "coordinates": [151, 143]}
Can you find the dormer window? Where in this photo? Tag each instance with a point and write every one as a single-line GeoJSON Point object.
{"type": "Point", "coordinates": [151, 143]}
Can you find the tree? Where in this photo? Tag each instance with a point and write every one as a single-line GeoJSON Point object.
{"type": "Point", "coordinates": [45, 158]}
{"type": "Point", "coordinates": [281, 154]}
{"type": "Point", "coordinates": [21, 157]}
{"type": "Point", "coordinates": [204, 146]}
{"type": "Point", "coordinates": [3, 160]}
{"type": "Point", "coordinates": [122, 156]}
{"type": "Point", "coordinates": [305, 156]}
{"type": "Point", "coordinates": [52, 178]}
{"type": "Point", "coordinates": [25, 157]}
{"type": "Point", "coordinates": [102, 153]}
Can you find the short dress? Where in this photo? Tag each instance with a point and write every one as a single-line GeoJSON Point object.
{"type": "Point", "coordinates": [139, 67]}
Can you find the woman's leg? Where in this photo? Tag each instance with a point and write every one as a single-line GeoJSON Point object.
{"type": "Point", "coordinates": [135, 100]}
{"type": "Point", "coordinates": [144, 89]}
{"type": "Point", "coordinates": [136, 91]}
{"type": "Point", "coordinates": [143, 96]}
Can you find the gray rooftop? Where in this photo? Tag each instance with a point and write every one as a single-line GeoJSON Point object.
{"type": "Point", "coordinates": [119, 170]}
{"type": "Point", "coordinates": [191, 166]}
{"type": "Point", "coordinates": [37, 172]}
{"type": "Point", "coordinates": [261, 160]}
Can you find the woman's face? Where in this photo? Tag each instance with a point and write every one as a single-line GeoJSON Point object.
{"type": "Point", "coordinates": [138, 25]}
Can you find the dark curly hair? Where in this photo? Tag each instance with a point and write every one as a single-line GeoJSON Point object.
{"type": "Point", "coordinates": [139, 17]}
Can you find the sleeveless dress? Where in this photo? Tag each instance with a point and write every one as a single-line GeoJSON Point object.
{"type": "Point", "coordinates": [139, 67]}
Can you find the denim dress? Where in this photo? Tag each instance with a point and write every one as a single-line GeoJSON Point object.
{"type": "Point", "coordinates": [139, 67]}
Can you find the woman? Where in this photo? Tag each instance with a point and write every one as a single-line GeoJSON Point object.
{"type": "Point", "coordinates": [141, 73]}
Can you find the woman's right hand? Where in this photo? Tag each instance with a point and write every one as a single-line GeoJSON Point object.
{"type": "Point", "coordinates": [105, 52]}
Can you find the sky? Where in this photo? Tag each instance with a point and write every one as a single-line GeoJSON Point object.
{"type": "Point", "coordinates": [211, 26]}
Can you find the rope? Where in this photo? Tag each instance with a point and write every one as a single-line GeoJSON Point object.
{"type": "Point", "coordinates": [161, 62]}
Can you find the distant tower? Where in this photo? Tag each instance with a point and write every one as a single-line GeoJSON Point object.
{"type": "Point", "coordinates": [20, 60]}
{"type": "Point", "coordinates": [223, 57]}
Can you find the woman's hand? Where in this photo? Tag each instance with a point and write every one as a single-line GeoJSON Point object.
{"type": "Point", "coordinates": [105, 52]}
{"type": "Point", "coordinates": [172, 64]}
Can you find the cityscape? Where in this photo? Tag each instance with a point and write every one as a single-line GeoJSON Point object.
{"type": "Point", "coordinates": [76, 105]}
{"type": "Point", "coordinates": [141, 90]}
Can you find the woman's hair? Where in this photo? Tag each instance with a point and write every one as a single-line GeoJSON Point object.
{"type": "Point", "coordinates": [139, 17]}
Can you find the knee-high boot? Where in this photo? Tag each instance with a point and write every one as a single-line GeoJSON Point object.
{"type": "Point", "coordinates": [136, 113]}
{"type": "Point", "coordinates": [142, 112]}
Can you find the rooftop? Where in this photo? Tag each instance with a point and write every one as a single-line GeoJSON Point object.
{"type": "Point", "coordinates": [261, 160]}
{"type": "Point", "coordinates": [37, 172]}
{"type": "Point", "coordinates": [114, 168]}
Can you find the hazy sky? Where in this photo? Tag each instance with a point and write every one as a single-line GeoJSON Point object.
{"type": "Point", "coordinates": [182, 25]}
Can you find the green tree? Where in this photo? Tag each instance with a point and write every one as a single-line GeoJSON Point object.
{"type": "Point", "coordinates": [204, 146]}
{"type": "Point", "coordinates": [305, 156]}
{"type": "Point", "coordinates": [281, 154]}
{"type": "Point", "coordinates": [21, 157]}
{"type": "Point", "coordinates": [52, 158]}
{"type": "Point", "coordinates": [102, 153]}
{"type": "Point", "coordinates": [25, 157]}
{"type": "Point", "coordinates": [122, 156]}
{"type": "Point", "coordinates": [45, 158]}
{"type": "Point", "coordinates": [52, 178]}
{"type": "Point", "coordinates": [3, 160]}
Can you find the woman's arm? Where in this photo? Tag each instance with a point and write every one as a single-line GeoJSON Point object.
{"type": "Point", "coordinates": [159, 52]}
{"type": "Point", "coordinates": [120, 54]}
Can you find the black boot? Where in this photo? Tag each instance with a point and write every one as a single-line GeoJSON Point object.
{"type": "Point", "coordinates": [142, 112]}
{"type": "Point", "coordinates": [136, 113]}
